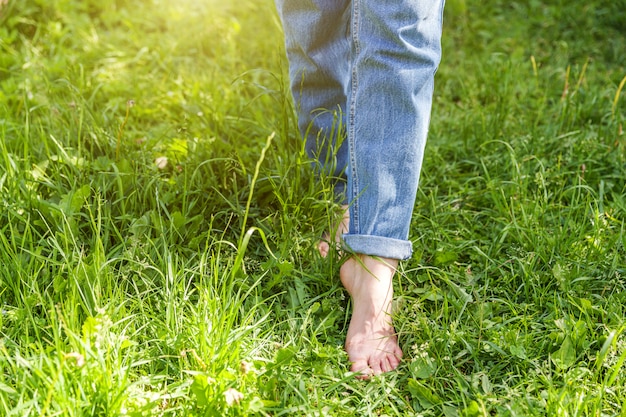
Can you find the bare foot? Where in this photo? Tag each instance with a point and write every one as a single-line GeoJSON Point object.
{"type": "Point", "coordinates": [371, 342]}
{"type": "Point", "coordinates": [342, 227]}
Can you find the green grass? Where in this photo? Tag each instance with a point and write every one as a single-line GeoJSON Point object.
{"type": "Point", "coordinates": [159, 219]}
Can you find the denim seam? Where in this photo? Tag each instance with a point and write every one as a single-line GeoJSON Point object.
{"type": "Point", "coordinates": [354, 221]}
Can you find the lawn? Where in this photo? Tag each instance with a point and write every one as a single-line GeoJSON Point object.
{"type": "Point", "coordinates": [159, 219]}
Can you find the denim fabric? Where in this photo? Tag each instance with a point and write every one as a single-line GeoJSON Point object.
{"type": "Point", "coordinates": [364, 69]}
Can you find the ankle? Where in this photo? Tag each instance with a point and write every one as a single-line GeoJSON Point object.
{"type": "Point", "coordinates": [367, 277]}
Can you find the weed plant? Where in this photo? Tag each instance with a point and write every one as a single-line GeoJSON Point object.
{"type": "Point", "coordinates": [159, 219]}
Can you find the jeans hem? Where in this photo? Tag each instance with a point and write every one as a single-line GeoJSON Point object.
{"type": "Point", "coordinates": [384, 247]}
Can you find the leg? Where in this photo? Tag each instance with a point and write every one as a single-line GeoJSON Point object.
{"type": "Point", "coordinates": [318, 51]}
{"type": "Point", "coordinates": [392, 54]}
{"type": "Point", "coordinates": [382, 75]}
{"type": "Point", "coordinates": [395, 53]}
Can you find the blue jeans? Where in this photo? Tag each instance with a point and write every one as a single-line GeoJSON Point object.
{"type": "Point", "coordinates": [362, 77]}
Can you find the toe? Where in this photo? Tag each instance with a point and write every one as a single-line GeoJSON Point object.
{"type": "Point", "coordinates": [394, 361]}
{"type": "Point", "coordinates": [361, 367]}
{"type": "Point", "coordinates": [377, 366]}
{"type": "Point", "coordinates": [395, 357]}
{"type": "Point", "coordinates": [385, 364]}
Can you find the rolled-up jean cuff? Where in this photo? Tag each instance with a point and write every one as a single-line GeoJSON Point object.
{"type": "Point", "coordinates": [384, 247]}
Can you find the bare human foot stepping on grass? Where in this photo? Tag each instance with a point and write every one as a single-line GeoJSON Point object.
{"type": "Point", "coordinates": [371, 342]}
